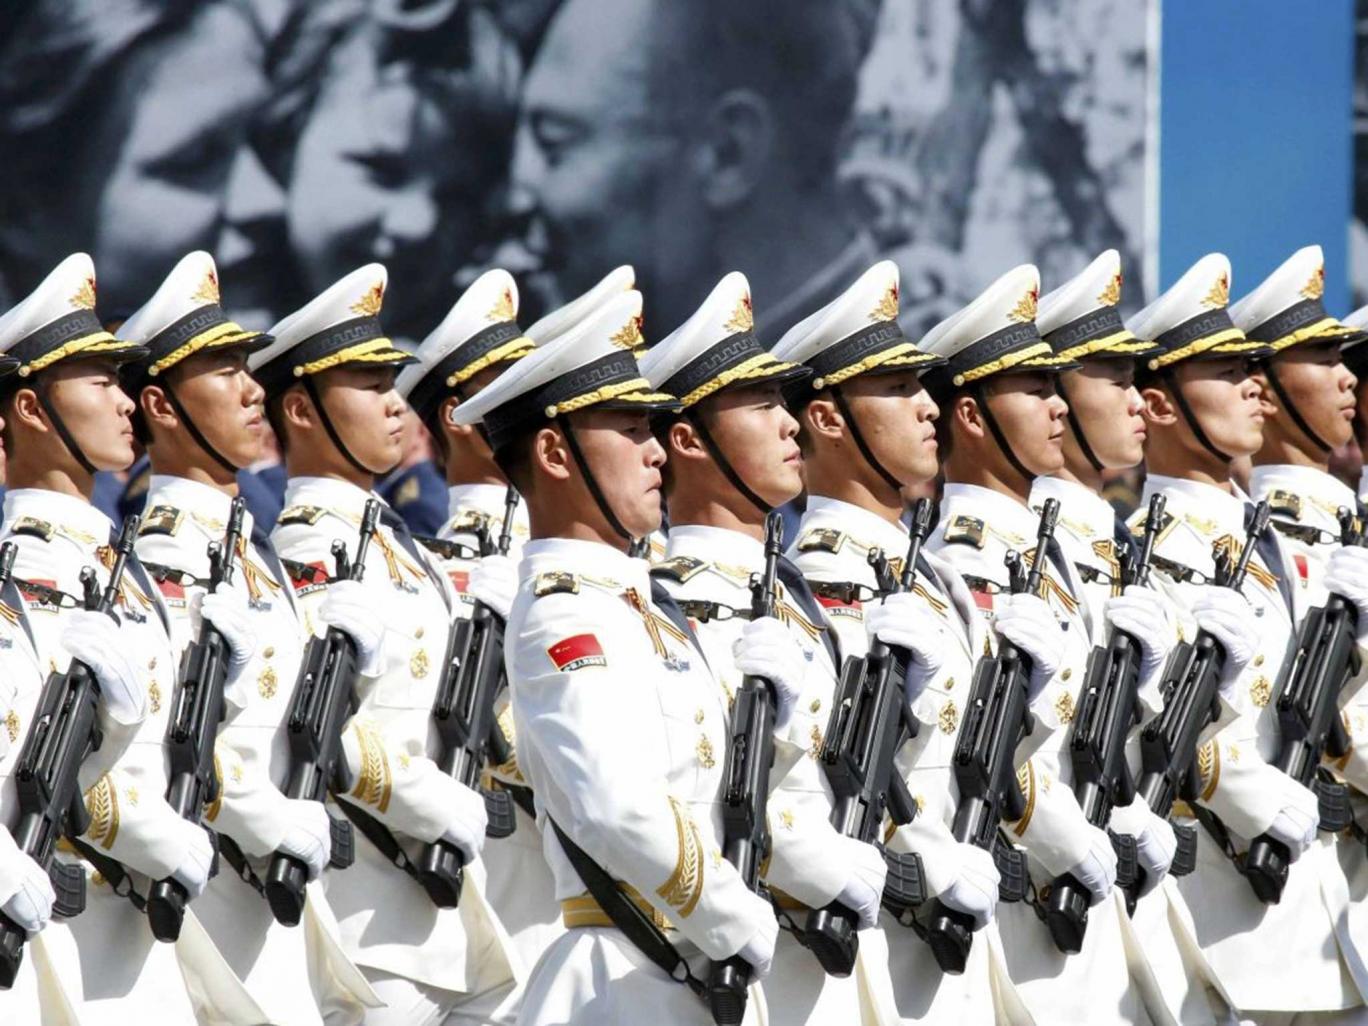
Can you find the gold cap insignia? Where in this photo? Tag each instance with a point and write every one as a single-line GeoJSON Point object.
{"type": "Point", "coordinates": [1219, 295]}
{"type": "Point", "coordinates": [630, 336]}
{"type": "Point", "coordinates": [743, 317]}
{"type": "Point", "coordinates": [887, 309]}
{"type": "Point", "coordinates": [1025, 310]}
{"type": "Point", "coordinates": [1315, 288]}
{"type": "Point", "coordinates": [502, 310]}
{"type": "Point", "coordinates": [84, 299]}
{"type": "Point", "coordinates": [1111, 295]}
{"type": "Point", "coordinates": [369, 304]}
{"type": "Point", "coordinates": [208, 291]}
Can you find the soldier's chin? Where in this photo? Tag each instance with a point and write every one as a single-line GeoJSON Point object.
{"type": "Point", "coordinates": [648, 515]}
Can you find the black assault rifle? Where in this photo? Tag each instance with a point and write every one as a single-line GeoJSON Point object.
{"type": "Point", "coordinates": [1168, 743]}
{"type": "Point", "coordinates": [1309, 724]}
{"type": "Point", "coordinates": [867, 727]}
{"type": "Point", "coordinates": [463, 713]}
{"type": "Point", "coordinates": [193, 728]}
{"type": "Point", "coordinates": [64, 732]}
{"type": "Point", "coordinates": [1108, 707]}
{"type": "Point", "coordinates": [324, 697]}
{"type": "Point", "coordinates": [745, 790]}
{"type": "Point", "coordinates": [997, 718]}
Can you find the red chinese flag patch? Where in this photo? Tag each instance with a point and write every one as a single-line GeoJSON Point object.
{"type": "Point", "coordinates": [311, 574]}
{"type": "Point", "coordinates": [460, 580]}
{"type": "Point", "coordinates": [577, 652]}
{"type": "Point", "coordinates": [1301, 566]}
{"type": "Point", "coordinates": [984, 600]}
{"type": "Point", "coordinates": [840, 607]}
{"type": "Point", "coordinates": [171, 589]}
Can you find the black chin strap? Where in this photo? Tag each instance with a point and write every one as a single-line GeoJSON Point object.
{"type": "Point", "coordinates": [59, 425]}
{"type": "Point", "coordinates": [1186, 410]}
{"type": "Point", "coordinates": [860, 442]}
{"type": "Point", "coordinates": [198, 435]}
{"type": "Point", "coordinates": [591, 481]}
{"type": "Point", "coordinates": [1079, 435]}
{"type": "Point", "coordinates": [1292, 411]}
{"type": "Point", "coordinates": [982, 400]}
{"type": "Point", "coordinates": [724, 464]}
{"type": "Point", "coordinates": [341, 446]}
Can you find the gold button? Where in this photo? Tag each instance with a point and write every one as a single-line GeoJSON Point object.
{"type": "Point", "coordinates": [152, 663]}
{"type": "Point", "coordinates": [698, 716]}
{"type": "Point", "coordinates": [949, 683]}
{"type": "Point", "coordinates": [418, 633]}
{"type": "Point", "coordinates": [269, 651]}
{"type": "Point", "coordinates": [816, 704]}
{"type": "Point", "coordinates": [1068, 672]}
{"type": "Point", "coordinates": [705, 752]}
{"type": "Point", "coordinates": [1259, 659]}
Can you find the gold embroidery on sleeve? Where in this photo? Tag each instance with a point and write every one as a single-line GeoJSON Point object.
{"type": "Point", "coordinates": [374, 784]}
{"type": "Point", "coordinates": [685, 885]}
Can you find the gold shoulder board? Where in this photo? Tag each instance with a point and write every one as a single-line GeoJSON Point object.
{"type": "Point", "coordinates": [554, 582]}
{"type": "Point", "coordinates": [965, 530]}
{"type": "Point", "coordinates": [680, 568]}
{"type": "Point", "coordinates": [822, 539]}
{"type": "Point", "coordinates": [162, 520]}
{"type": "Point", "coordinates": [301, 515]}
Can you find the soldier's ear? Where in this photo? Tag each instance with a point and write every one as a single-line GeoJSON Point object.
{"type": "Point", "coordinates": [683, 442]}
{"type": "Point", "coordinates": [446, 418]}
{"type": "Point", "coordinates": [157, 409]}
{"type": "Point", "coordinates": [822, 418]}
{"type": "Point", "coordinates": [966, 417]}
{"type": "Point", "coordinates": [551, 457]}
{"type": "Point", "coordinates": [1159, 407]}
{"type": "Point", "coordinates": [733, 156]}
{"type": "Point", "coordinates": [296, 409]}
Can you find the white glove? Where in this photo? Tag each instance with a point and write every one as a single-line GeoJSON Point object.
{"type": "Point", "coordinates": [1347, 574]}
{"type": "Point", "coordinates": [974, 891]}
{"type": "Point", "coordinates": [767, 649]}
{"type": "Point", "coordinates": [466, 829]}
{"type": "Point", "coordinates": [1026, 621]}
{"type": "Point", "coordinates": [905, 621]}
{"type": "Point", "coordinates": [1097, 869]}
{"type": "Point", "coordinates": [758, 952]}
{"type": "Point", "coordinates": [1143, 615]}
{"type": "Point", "coordinates": [197, 858]}
{"type": "Point", "coordinates": [347, 608]}
{"type": "Point", "coordinates": [309, 835]}
{"type": "Point", "coordinates": [494, 581]}
{"type": "Point", "coordinates": [1225, 614]}
{"type": "Point", "coordinates": [863, 890]}
{"type": "Point", "coordinates": [93, 638]}
{"type": "Point", "coordinates": [1296, 822]}
{"type": "Point", "coordinates": [1155, 843]}
{"type": "Point", "coordinates": [228, 613]}
{"type": "Point", "coordinates": [26, 894]}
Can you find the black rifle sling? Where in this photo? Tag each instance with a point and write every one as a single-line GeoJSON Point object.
{"type": "Point", "coordinates": [627, 916]}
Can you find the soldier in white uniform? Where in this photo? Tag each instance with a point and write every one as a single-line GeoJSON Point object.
{"type": "Point", "coordinates": [329, 382]}
{"type": "Point", "coordinates": [67, 418]}
{"type": "Point", "coordinates": [1105, 431]}
{"type": "Point", "coordinates": [475, 343]}
{"type": "Point", "coordinates": [732, 457]}
{"type": "Point", "coordinates": [39, 993]}
{"type": "Point", "coordinates": [1310, 406]}
{"type": "Point", "coordinates": [200, 415]}
{"type": "Point", "coordinates": [1002, 424]}
{"type": "Point", "coordinates": [620, 721]}
{"type": "Point", "coordinates": [868, 434]}
{"type": "Point", "coordinates": [1203, 408]}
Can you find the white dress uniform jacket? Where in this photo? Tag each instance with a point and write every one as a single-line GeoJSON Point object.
{"type": "Point", "coordinates": [39, 994]}
{"type": "Point", "coordinates": [832, 546]}
{"type": "Point", "coordinates": [1170, 973]}
{"type": "Point", "coordinates": [1251, 945]}
{"type": "Point", "coordinates": [621, 727]}
{"type": "Point", "coordinates": [708, 571]}
{"type": "Point", "coordinates": [124, 972]}
{"type": "Point", "coordinates": [387, 921]}
{"type": "Point", "coordinates": [182, 519]}
{"type": "Point", "coordinates": [977, 528]}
